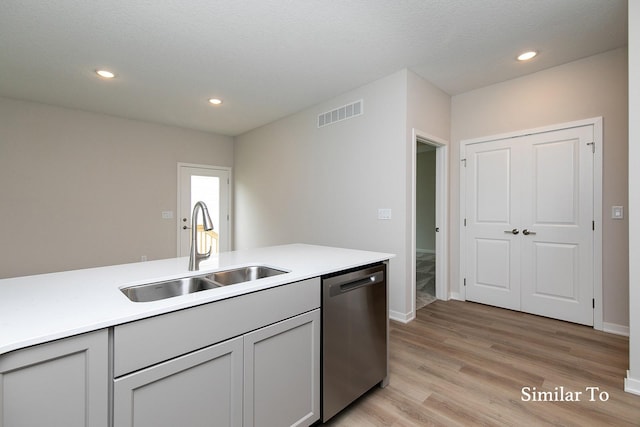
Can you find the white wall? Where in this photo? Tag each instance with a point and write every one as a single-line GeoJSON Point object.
{"type": "Point", "coordinates": [80, 190]}
{"type": "Point", "coordinates": [297, 183]}
{"type": "Point", "coordinates": [594, 86]}
{"type": "Point", "coordinates": [632, 383]}
{"type": "Point", "coordinates": [429, 112]}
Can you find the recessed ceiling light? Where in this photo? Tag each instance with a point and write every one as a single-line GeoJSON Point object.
{"type": "Point", "coordinates": [527, 55]}
{"type": "Point", "coordinates": [215, 101]}
{"type": "Point", "coordinates": [105, 74]}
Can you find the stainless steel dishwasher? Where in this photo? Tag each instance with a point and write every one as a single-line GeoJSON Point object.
{"type": "Point", "coordinates": [354, 335]}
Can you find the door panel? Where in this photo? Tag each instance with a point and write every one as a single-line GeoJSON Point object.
{"type": "Point", "coordinates": [493, 178]}
{"type": "Point", "coordinates": [556, 266]}
{"type": "Point", "coordinates": [555, 180]}
{"type": "Point", "coordinates": [493, 266]}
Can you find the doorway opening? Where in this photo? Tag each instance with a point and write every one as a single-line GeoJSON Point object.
{"type": "Point", "coordinates": [209, 184]}
{"type": "Point", "coordinates": [428, 254]}
{"type": "Point", "coordinates": [425, 224]}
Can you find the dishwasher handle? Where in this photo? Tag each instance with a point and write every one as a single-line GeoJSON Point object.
{"type": "Point", "coordinates": [343, 287]}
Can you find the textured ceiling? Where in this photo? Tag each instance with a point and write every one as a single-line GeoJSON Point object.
{"type": "Point", "coordinates": [270, 58]}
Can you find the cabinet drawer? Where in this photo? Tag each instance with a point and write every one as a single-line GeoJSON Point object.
{"type": "Point", "coordinates": [146, 342]}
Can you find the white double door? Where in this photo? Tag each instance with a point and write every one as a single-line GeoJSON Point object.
{"type": "Point", "coordinates": [529, 215]}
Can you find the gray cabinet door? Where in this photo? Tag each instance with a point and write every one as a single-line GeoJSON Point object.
{"type": "Point", "coordinates": [202, 388]}
{"type": "Point", "coordinates": [282, 373]}
{"type": "Point", "coordinates": [61, 383]}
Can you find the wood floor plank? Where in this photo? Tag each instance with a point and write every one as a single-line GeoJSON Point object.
{"type": "Point", "coordinates": [462, 363]}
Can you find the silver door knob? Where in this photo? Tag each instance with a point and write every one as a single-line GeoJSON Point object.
{"type": "Point", "coordinates": [527, 232]}
{"type": "Point", "coordinates": [514, 231]}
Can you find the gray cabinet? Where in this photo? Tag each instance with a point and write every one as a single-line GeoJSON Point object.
{"type": "Point", "coordinates": [282, 373]}
{"type": "Point", "coordinates": [278, 367]}
{"type": "Point", "coordinates": [251, 360]}
{"type": "Point", "coordinates": [145, 342]}
{"type": "Point", "coordinates": [202, 388]}
{"type": "Point", "coordinates": [61, 383]}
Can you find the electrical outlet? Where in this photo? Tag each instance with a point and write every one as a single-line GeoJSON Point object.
{"type": "Point", "coordinates": [143, 258]}
{"type": "Point", "coordinates": [167, 214]}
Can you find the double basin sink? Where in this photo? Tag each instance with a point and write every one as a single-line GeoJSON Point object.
{"type": "Point", "coordinates": [188, 285]}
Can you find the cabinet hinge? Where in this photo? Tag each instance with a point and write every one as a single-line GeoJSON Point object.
{"type": "Point", "coordinates": [464, 282]}
{"type": "Point", "coordinates": [593, 146]}
{"type": "Point", "coordinates": [465, 222]}
{"type": "Point", "coordinates": [464, 162]}
{"type": "Point", "coordinates": [593, 302]}
{"type": "Point", "coordinates": [593, 225]}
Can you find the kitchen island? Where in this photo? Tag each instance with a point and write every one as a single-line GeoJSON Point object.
{"type": "Point", "coordinates": [114, 348]}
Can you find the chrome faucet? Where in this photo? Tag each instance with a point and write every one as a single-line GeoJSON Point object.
{"type": "Point", "coordinates": [194, 256]}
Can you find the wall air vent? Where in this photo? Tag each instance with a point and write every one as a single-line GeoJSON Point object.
{"type": "Point", "coordinates": [345, 112]}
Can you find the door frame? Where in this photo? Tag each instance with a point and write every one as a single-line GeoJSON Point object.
{"type": "Point", "coordinates": [442, 197]}
{"type": "Point", "coordinates": [598, 323]}
{"type": "Point", "coordinates": [229, 199]}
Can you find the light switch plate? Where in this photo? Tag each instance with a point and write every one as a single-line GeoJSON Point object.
{"type": "Point", "coordinates": [617, 212]}
{"type": "Point", "coordinates": [384, 213]}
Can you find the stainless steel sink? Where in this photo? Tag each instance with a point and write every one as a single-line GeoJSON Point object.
{"type": "Point", "coordinates": [243, 274]}
{"type": "Point", "coordinates": [188, 285]}
{"type": "Point", "coordinates": [168, 289]}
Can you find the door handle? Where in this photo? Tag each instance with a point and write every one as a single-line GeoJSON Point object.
{"type": "Point", "coordinates": [514, 231]}
{"type": "Point", "coordinates": [527, 232]}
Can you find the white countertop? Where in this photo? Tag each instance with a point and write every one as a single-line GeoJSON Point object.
{"type": "Point", "coordinates": [45, 307]}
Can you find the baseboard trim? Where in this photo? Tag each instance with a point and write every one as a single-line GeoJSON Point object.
{"type": "Point", "coordinates": [613, 328]}
{"type": "Point", "coordinates": [632, 385]}
{"type": "Point", "coordinates": [401, 317]}
{"type": "Point", "coordinates": [456, 296]}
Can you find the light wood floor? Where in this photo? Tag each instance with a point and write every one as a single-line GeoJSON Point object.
{"type": "Point", "coordinates": [461, 363]}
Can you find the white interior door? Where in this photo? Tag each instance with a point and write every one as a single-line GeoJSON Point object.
{"type": "Point", "coordinates": [493, 221]}
{"type": "Point", "coordinates": [210, 185]}
{"type": "Point", "coordinates": [557, 235]}
{"type": "Point", "coordinates": [529, 236]}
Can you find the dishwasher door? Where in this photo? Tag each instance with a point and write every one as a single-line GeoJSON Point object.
{"type": "Point", "coordinates": [354, 336]}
